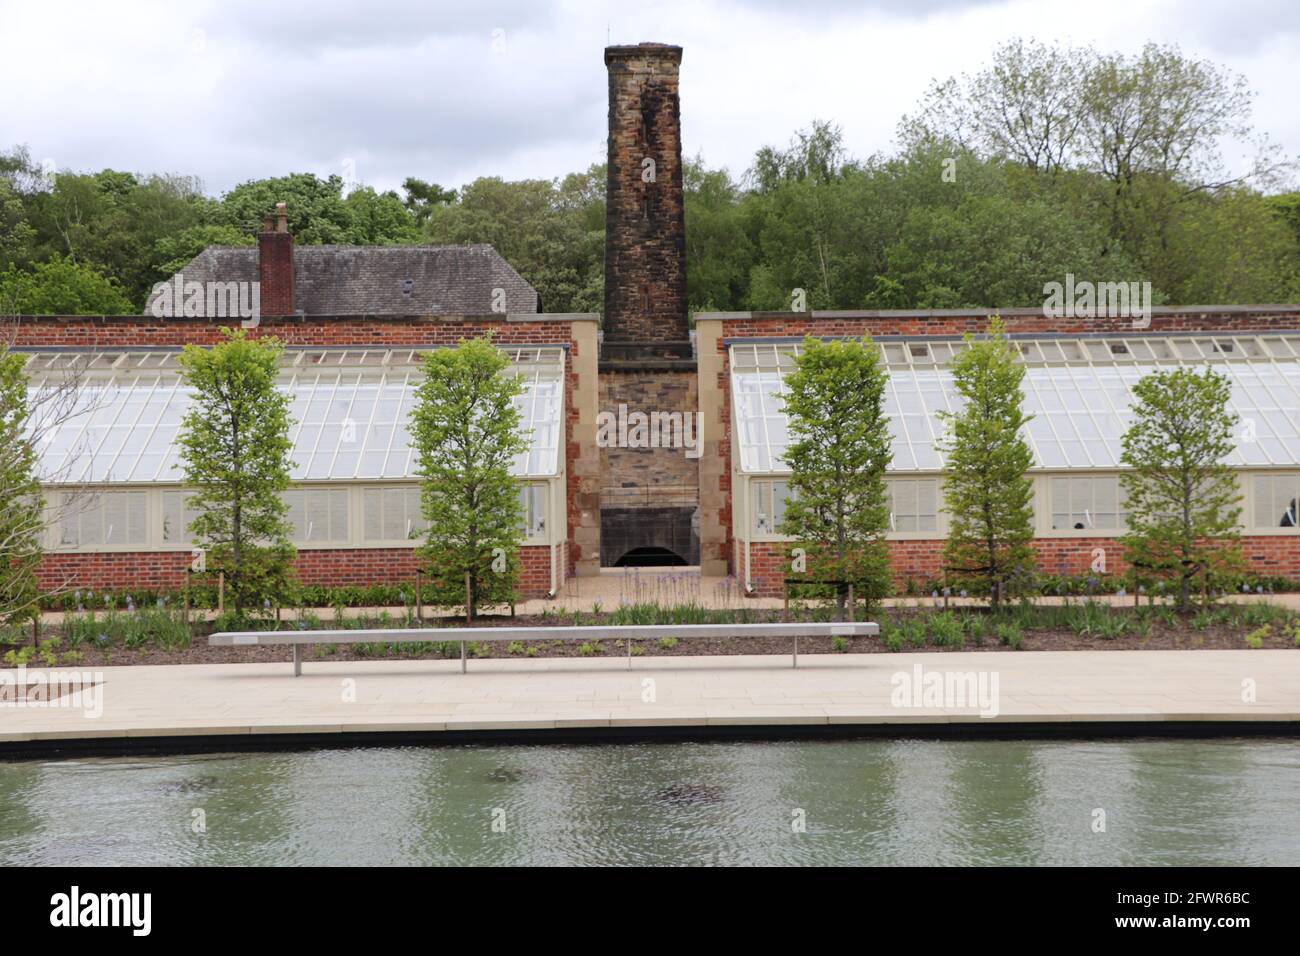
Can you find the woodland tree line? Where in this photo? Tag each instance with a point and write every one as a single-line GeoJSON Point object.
{"type": "Point", "coordinates": [1049, 160]}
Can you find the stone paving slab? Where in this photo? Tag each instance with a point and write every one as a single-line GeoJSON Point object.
{"type": "Point", "coordinates": [1066, 688]}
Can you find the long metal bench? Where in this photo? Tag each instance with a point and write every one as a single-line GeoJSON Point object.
{"type": "Point", "coordinates": [464, 635]}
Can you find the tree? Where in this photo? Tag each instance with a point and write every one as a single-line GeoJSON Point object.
{"type": "Point", "coordinates": [551, 232]}
{"type": "Point", "coordinates": [987, 494]}
{"type": "Point", "coordinates": [838, 453]}
{"type": "Point", "coordinates": [465, 431]}
{"type": "Point", "coordinates": [174, 252]}
{"type": "Point", "coordinates": [31, 414]}
{"type": "Point", "coordinates": [235, 447]}
{"type": "Point", "coordinates": [22, 522]}
{"type": "Point", "coordinates": [422, 196]}
{"type": "Point", "coordinates": [1026, 106]}
{"type": "Point", "coordinates": [63, 287]}
{"type": "Point", "coordinates": [1183, 501]}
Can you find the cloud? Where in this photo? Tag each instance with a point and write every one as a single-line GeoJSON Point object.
{"type": "Point", "coordinates": [252, 88]}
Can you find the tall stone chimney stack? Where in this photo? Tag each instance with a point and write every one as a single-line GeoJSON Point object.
{"type": "Point", "coordinates": [649, 494]}
{"type": "Point", "coordinates": [645, 224]}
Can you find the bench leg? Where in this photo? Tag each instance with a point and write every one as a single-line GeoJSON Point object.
{"type": "Point", "coordinates": [462, 657]}
{"type": "Point", "coordinates": [297, 660]}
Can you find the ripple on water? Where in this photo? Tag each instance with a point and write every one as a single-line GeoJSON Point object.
{"type": "Point", "coordinates": [673, 803]}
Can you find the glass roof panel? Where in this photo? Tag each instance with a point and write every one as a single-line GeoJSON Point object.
{"type": "Point", "coordinates": [348, 408]}
{"type": "Point", "coordinates": [1081, 408]}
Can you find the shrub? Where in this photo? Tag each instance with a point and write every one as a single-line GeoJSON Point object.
{"type": "Point", "coordinates": [945, 629]}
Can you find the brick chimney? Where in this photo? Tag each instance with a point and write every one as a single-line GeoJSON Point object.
{"type": "Point", "coordinates": [645, 224]}
{"type": "Point", "coordinates": [275, 263]}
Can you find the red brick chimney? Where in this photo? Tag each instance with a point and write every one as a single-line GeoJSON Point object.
{"type": "Point", "coordinates": [275, 263]}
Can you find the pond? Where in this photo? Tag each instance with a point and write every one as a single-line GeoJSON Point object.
{"type": "Point", "coordinates": [895, 802]}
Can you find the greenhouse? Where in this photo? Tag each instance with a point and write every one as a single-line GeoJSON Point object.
{"type": "Point", "coordinates": [1079, 391]}
{"type": "Point", "coordinates": [354, 474]}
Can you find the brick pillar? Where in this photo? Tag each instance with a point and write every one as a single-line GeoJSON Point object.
{"type": "Point", "coordinates": [645, 226]}
{"type": "Point", "coordinates": [275, 264]}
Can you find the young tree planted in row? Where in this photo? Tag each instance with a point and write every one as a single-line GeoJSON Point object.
{"type": "Point", "coordinates": [839, 449]}
{"type": "Point", "coordinates": [987, 493]}
{"type": "Point", "coordinates": [21, 518]}
{"type": "Point", "coordinates": [235, 448]}
{"type": "Point", "coordinates": [1183, 501]}
{"type": "Point", "coordinates": [465, 431]}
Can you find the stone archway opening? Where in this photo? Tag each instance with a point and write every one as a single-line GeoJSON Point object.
{"type": "Point", "coordinates": [651, 557]}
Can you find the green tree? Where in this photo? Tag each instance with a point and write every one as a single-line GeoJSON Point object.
{"type": "Point", "coordinates": [422, 197]}
{"type": "Point", "coordinates": [987, 493]}
{"type": "Point", "coordinates": [551, 232]}
{"type": "Point", "coordinates": [465, 431]}
{"type": "Point", "coordinates": [376, 219]}
{"type": "Point", "coordinates": [173, 253]}
{"type": "Point", "coordinates": [63, 287]}
{"type": "Point", "coordinates": [22, 517]}
{"type": "Point", "coordinates": [235, 448]}
{"type": "Point", "coordinates": [1183, 501]}
{"type": "Point", "coordinates": [838, 453]}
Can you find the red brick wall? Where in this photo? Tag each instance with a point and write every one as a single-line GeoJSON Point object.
{"type": "Point", "coordinates": [165, 570]}
{"type": "Point", "coordinates": [921, 560]}
{"type": "Point", "coordinates": [1018, 321]}
{"type": "Point", "coordinates": [115, 332]}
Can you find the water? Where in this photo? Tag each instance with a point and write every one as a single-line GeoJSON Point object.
{"type": "Point", "coordinates": [864, 802]}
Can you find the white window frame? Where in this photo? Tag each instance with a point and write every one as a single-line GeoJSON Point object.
{"type": "Point", "coordinates": [918, 533]}
{"type": "Point", "coordinates": [1268, 524]}
{"type": "Point", "coordinates": [415, 524]}
{"type": "Point", "coordinates": [1045, 491]}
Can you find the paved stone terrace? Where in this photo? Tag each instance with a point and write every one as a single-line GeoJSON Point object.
{"type": "Point", "coordinates": [1061, 688]}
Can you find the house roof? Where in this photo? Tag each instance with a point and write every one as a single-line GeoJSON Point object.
{"type": "Point", "coordinates": [380, 280]}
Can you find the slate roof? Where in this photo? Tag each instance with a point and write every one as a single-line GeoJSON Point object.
{"type": "Point", "coordinates": [373, 280]}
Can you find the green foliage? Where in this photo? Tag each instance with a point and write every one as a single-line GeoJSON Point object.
{"type": "Point", "coordinates": [551, 232]}
{"type": "Point", "coordinates": [22, 521]}
{"type": "Point", "coordinates": [465, 430]}
{"type": "Point", "coordinates": [62, 287]}
{"type": "Point", "coordinates": [1255, 639]}
{"type": "Point", "coordinates": [1131, 143]}
{"type": "Point", "coordinates": [173, 253]}
{"type": "Point", "coordinates": [838, 452]}
{"type": "Point", "coordinates": [1009, 634]}
{"type": "Point", "coordinates": [163, 627]}
{"type": "Point", "coordinates": [945, 630]}
{"type": "Point", "coordinates": [987, 493]}
{"type": "Point", "coordinates": [1183, 501]}
{"type": "Point", "coordinates": [235, 448]}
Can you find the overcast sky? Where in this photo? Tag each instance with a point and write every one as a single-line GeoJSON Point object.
{"type": "Point", "coordinates": [448, 91]}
